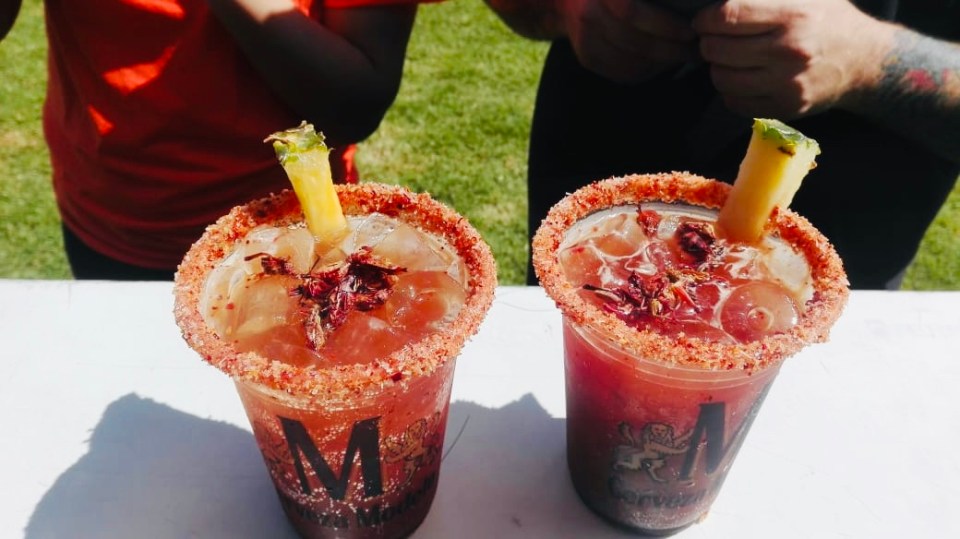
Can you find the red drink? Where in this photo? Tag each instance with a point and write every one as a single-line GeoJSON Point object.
{"type": "Point", "coordinates": [662, 267]}
{"type": "Point", "coordinates": [364, 468]}
{"type": "Point", "coordinates": [350, 428]}
{"type": "Point", "coordinates": [648, 445]}
{"type": "Point", "coordinates": [672, 339]}
{"type": "Point", "coordinates": [385, 284]}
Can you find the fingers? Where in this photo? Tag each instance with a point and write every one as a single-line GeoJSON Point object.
{"type": "Point", "coordinates": [628, 40]}
{"type": "Point", "coordinates": [767, 56]}
{"type": "Point", "coordinates": [633, 20]}
{"type": "Point", "coordinates": [746, 83]}
{"type": "Point", "coordinates": [653, 20]}
{"type": "Point", "coordinates": [761, 91]}
{"type": "Point", "coordinates": [739, 17]}
{"type": "Point", "coordinates": [739, 51]}
{"type": "Point", "coordinates": [610, 22]}
{"type": "Point", "coordinates": [629, 62]}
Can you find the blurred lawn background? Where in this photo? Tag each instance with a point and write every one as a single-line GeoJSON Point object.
{"type": "Point", "coordinates": [458, 130]}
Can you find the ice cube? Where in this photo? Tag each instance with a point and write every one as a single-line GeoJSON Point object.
{"type": "Point", "coordinates": [361, 338]}
{"type": "Point", "coordinates": [620, 236]}
{"type": "Point", "coordinates": [741, 262]}
{"type": "Point", "coordinates": [409, 248]}
{"type": "Point", "coordinates": [581, 264]}
{"type": "Point", "coordinates": [458, 271]}
{"type": "Point", "coordinates": [262, 304]}
{"type": "Point", "coordinates": [368, 230]}
{"type": "Point", "coordinates": [668, 226]}
{"type": "Point", "coordinates": [295, 244]}
{"type": "Point", "coordinates": [286, 343]}
{"type": "Point", "coordinates": [757, 309]}
{"type": "Point", "coordinates": [660, 255]}
{"type": "Point", "coordinates": [422, 302]}
{"type": "Point", "coordinates": [788, 267]}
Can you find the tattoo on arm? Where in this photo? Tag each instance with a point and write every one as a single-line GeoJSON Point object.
{"type": "Point", "coordinates": [919, 92]}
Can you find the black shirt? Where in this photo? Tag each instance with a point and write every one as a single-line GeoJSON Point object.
{"type": "Point", "coordinates": [873, 193]}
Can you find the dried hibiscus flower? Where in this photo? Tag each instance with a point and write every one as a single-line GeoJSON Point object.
{"type": "Point", "coordinates": [698, 240]}
{"type": "Point", "coordinates": [361, 282]}
{"type": "Point", "coordinates": [645, 296]}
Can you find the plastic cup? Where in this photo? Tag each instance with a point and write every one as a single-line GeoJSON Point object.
{"type": "Point", "coordinates": [649, 445]}
{"type": "Point", "coordinates": [364, 468]}
{"type": "Point", "coordinates": [654, 423]}
{"type": "Point", "coordinates": [354, 450]}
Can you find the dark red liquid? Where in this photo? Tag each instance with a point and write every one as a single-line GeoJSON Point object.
{"type": "Point", "coordinates": [367, 470]}
{"type": "Point", "coordinates": [648, 446]}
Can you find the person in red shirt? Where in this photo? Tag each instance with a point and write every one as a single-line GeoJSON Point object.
{"type": "Point", "coordinates": [156, 110]}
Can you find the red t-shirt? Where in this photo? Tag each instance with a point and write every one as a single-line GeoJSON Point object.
{"type": "Point", "coordinates": [155, 121]}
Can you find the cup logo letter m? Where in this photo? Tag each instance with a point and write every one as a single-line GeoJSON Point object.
{"type": "Point", "coordinates": [364, 440]}
{"type": "Point", "coordinates": [710, 427]}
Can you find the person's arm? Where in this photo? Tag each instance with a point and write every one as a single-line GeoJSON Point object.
{"type": "Point", "coordinates": [622, 40]}
{"type": "Point", "coordinates": [9, 9]}
{"type": "Point", "coordinates": [792, 58]}
{"type": "Point", "coordinates": [916, 92]}
{"type": "Point", "coordinates": [533, 19]}
{"type": "Point", "coordinates": [341, 75]}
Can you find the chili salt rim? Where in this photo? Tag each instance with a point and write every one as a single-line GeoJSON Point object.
{"type": "Point", "coordinates": [821, 311]}
{"type": "Point", "coordinates": [343, 382]}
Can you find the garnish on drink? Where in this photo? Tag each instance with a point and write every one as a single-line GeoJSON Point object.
{"type": "Point", "coordinates": [341, 337]}
{"type": "Point", "coordinates": [366, 278]}
{"type": "Point", "coordinates": [674, 328]}
{"type": "Point", "coordinates": [306, 160]}
{"type": "Point", "coordinates": [778, 158]}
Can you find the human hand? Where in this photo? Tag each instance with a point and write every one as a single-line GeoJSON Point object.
{"type": "Point", "coordinates": [627, 40]}
{"type": "Point", "coordinates": [787, 58]}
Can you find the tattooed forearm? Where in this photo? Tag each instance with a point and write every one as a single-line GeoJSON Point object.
{"type": "Point", "coordinates": [918, 93]}
{"type": "Point", "coordinates": [535, 19]}
{"type": "Point", "coordinates": [922, 70]}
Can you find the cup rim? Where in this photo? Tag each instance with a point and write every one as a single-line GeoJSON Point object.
{"type": "Point", "coordinates": [822, 310]}
{"type": "Point", "coordinates": [671, 374]}
{"type": "Point", "coordinates": [338, 382]}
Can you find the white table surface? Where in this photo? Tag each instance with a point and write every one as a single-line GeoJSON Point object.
{"type": "Point", "coordinates": [113, 428]}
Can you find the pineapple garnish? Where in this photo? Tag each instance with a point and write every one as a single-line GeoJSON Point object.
{"type": "Point", "coordinates": [306, 160]}
{"type": "Point", "coordinates": [777, 159]}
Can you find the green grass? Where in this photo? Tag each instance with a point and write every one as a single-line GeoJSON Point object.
{"type": "Point", "coordinates": [937, 265]}
{"type": "Point", "coordinates": [458, 130]}
{"type": "Point", "coordinates": [30, 241]}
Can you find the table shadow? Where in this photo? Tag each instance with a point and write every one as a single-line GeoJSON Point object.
{"type": "Point", "coordinates": [153, 471]}
{"type": "Point", "coordinates": [508, 466]}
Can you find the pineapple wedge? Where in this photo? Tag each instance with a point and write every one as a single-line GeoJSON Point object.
{"type": "Point", "coordinates": [777, 159]}
{"type": "Point", "coordinates": [306, 160]}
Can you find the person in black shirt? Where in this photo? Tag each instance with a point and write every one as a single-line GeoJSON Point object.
{"type": "Point", "coordinates": [631, 86]}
